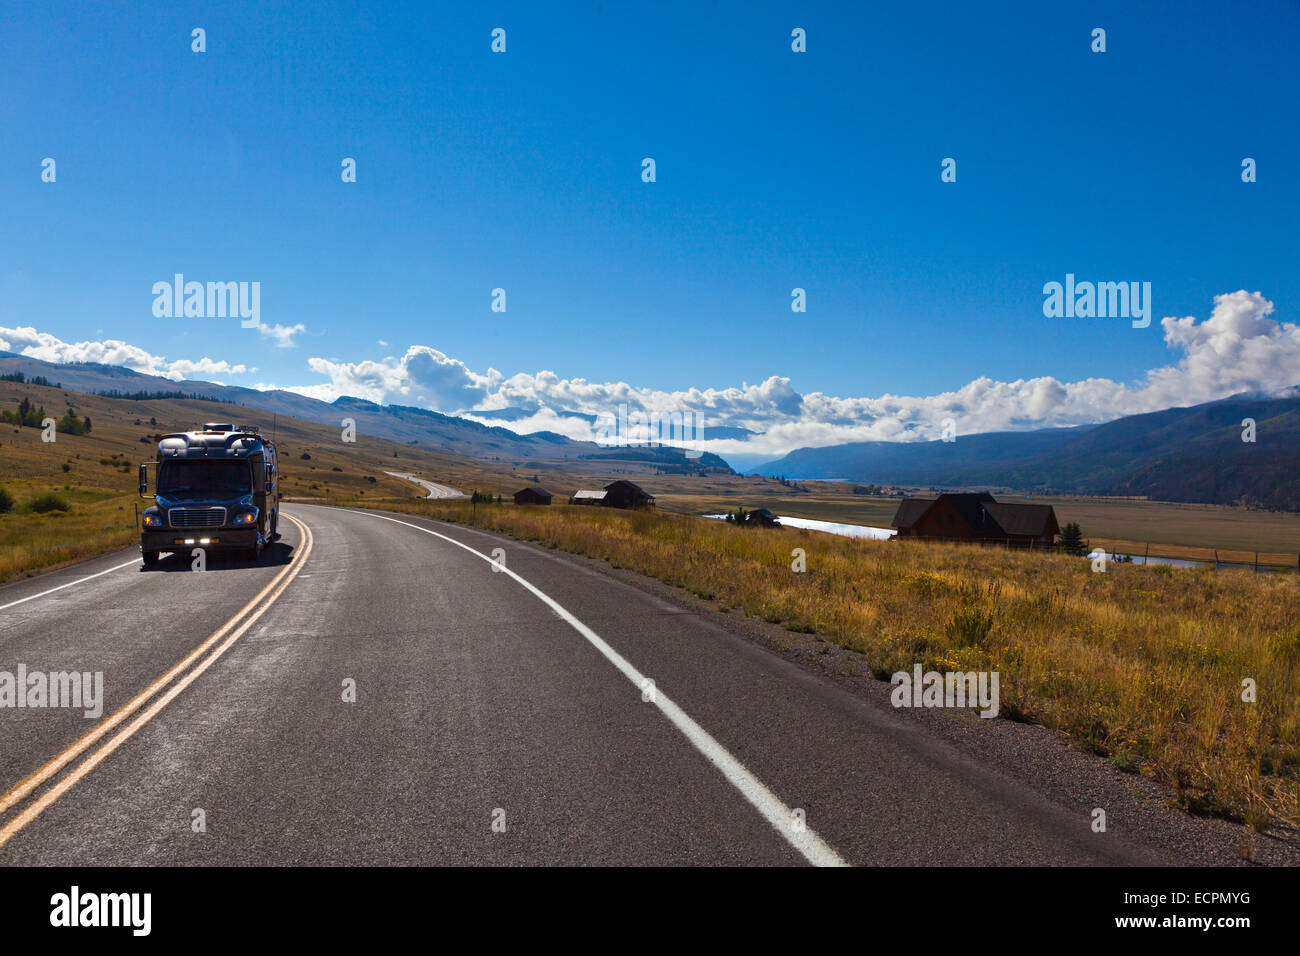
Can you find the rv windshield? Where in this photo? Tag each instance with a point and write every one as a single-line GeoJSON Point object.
{"type": "Point", "coordinates": [189, 480]}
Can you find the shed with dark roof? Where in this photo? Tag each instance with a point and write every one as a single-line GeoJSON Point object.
{"type": "Point", "coordinates": [532, 495]}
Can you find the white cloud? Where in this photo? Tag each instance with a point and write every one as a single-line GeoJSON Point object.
{"type": "Point", "coordinates": [282, 334]}
{"type": "Point", "coordinates": [423, 376]}
{"type": "Point", "coordinates": [49, 348]}
{"type": "Point", "coordinates": [1239, 348]}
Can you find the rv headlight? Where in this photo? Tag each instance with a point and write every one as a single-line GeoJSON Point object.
{"type": "Point", "coordinates": [248, 516]}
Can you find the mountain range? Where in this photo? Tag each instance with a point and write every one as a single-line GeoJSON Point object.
{"type": "Point", "coordinates": [1194, 454]}
{"type": "Point", "coordinates": [1191, 454]}
{"type": "Point", "coordinates": [404, 423]}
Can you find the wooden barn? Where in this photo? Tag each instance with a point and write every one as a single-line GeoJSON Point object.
{"type": "Point", "coordinates": [625, 494]}
{"type": "Point", "coordinates": [532, 495]}
{"type": "Point", "coordinates": [977, 517]}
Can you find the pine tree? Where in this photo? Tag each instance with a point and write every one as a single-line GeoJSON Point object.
{"type": "Point", "coordinates": [1072, 540]}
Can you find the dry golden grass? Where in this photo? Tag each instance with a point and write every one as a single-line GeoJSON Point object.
{"type": "Point", "coordinates": [1142, 665]}
{"type": "Point", "coordinates": [98, 520]}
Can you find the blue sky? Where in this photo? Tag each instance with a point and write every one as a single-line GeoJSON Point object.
{"type": "Point", "coordinates": [522, 170]}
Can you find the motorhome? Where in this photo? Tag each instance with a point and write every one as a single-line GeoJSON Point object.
{"type": "Point", "coordinates": [217, 489]}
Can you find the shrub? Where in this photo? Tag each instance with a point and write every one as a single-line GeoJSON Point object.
{"type": "Point", "coordinates": [43, 504]}
{"type": "Point", "coordinates": [71, 425]}
{"type": "Point", "coordinates": [6, 502]}
{"type": "Point", "coordinates": [970, 626]}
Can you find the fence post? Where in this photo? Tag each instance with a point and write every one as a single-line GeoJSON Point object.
{"type": "Point", "coordinates": [1146, 558]}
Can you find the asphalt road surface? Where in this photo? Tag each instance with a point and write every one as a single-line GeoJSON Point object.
{"type": "Point", "coordinates": [500, 717]}
{"type": "Point", "coordinates": [435, 490]}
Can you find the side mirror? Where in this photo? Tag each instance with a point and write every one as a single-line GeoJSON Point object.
{"type": "Point", "coordinates": [144, 481]}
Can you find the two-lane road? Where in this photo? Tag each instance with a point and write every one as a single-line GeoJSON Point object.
{"type": "Point", "coordinates": [383, 694]}
{"type": "Point", "coordinates": [434, 489]}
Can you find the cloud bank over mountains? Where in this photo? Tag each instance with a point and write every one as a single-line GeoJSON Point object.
{"type": "Point", "coordinates": [1241, 347]}
{"type": "Point", "coordinates": [49, 348]}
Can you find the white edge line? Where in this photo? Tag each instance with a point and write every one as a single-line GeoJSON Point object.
{"type": "Point", "coordinates": [88, 577]}
{"type": "Point", "coordinates": [814, 849]}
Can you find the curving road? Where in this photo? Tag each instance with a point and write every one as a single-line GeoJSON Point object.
{"type": "Point", "coordinates": [481, 696]}
{"type": "Point", "coordinates": [434, 489]}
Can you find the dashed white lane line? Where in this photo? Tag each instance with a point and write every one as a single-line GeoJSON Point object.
{"type": "Point", "coordinates": [812, 847]}
{"type": "Point", "coordinates": [88, 577]}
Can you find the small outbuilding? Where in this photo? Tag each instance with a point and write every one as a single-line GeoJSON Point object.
{"type": "Point", "coordinates": [587, 498]}
{"type": "Point", "coordinates": [532, 495]}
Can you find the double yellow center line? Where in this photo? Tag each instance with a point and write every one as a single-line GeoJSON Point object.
{"type": "Point", "coordinates": [188, 670]}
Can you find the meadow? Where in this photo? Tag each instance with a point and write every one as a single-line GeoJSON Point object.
{"type": "Point", "coordinates": [1192, 532]}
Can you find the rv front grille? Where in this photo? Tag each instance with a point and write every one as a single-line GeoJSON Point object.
{"type": "Point", "coordinates": [197, 517]}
